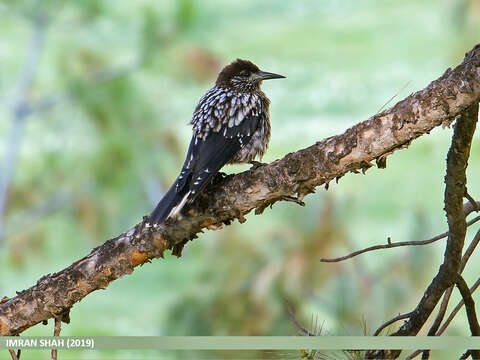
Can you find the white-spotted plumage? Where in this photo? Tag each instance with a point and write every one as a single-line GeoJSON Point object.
{"type": "Point", "coordinates": [230, 125]}
{"type": "Point", "coordinates": [221, 106]}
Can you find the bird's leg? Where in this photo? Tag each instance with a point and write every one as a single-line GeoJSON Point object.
{"type": "Point", "coordinates": [256, 165]}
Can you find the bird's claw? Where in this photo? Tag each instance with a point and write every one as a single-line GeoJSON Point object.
{"type": "Point", "coordinates": [219, 176]}
{"type": "Point", "coordinates": [256, 165]}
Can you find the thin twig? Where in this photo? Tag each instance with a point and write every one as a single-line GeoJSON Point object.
{"type": "Point", "coordinates": [395, 244]}
{"type": "Point", "coordinates": [441, 313]}
{"type": "Point", "coordinates": [455, 180]}
{"type": "Point", "coordinates": [13, 354]}
{"type": "Point", "coordinates": [457, 309]}
{"type": "Point", "coordinates": [391, 321]}
{"type": "Point", "coordinates": [469, 251]}
{"type": "Point", "coordinates": [470, 207]}
{"type": "Point", "coordinates": [446, 297]}
{"type": "Point", "coordinates": [470, 310]}
{"type": "Point", "coordinates": [447, 322]}
{"type": "Point", "coordinates": [413, 355]}
{"type": "Point", "coordinates": [56, 332]}
{"type": "Point", "coordinates": [448, 293]}
{"type": "Point", "coordinates": [426, 355]}
{"type": "Point", "coordinates": [305, 331]}
{"type": "Point", "coordinates": [438, 319]}
{"type": "Point", "coordinates": [469, 306]}
{"type": "Point", "coordinates": [472, 201]}
{"type": "Point", "coordinates": [443, 308]}
{"type": "Point", "coordinates": [394, 96]}
{"type": "Point", "coordinates": [465, 355]}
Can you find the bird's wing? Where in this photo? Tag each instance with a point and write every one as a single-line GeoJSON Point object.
{"type": "Point", "coordinates": [223, 123]}
{"type": "Point", "coordinates": [206, 157]}
{"type": "Point", "coordinates": [222, 110]}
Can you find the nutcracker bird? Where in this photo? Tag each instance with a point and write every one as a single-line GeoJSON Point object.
{"type": "Point", "coordinates": [231, 124]}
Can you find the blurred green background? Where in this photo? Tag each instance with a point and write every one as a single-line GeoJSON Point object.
{"type": "Point", "coordinates": [96, 97]}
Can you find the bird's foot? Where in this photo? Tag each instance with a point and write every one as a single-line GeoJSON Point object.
{"type": "Point", "coordinates": [256, 165]}
{"type": "Point", "coordinates": [219, 176]}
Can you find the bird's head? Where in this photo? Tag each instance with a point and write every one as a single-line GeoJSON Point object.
{"type": "Point", "coordinates": [243, 75]}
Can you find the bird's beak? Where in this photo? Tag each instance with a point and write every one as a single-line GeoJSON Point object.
{"type": "Point", "coordinates": [263, 75]}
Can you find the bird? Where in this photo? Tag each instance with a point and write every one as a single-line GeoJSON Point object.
{"type": "Point", "coordinates": [231, 124]}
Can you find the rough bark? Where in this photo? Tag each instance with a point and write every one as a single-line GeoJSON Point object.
{"type": "Point", "coordinates": [455, 190]}
{"type": "Point", "coordinates": [232, 197]}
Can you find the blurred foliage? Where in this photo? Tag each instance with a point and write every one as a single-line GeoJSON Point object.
{"type": "Point", "coordinates": [127, 76]}
{"type": "Point", "coordinates": [185, 15]}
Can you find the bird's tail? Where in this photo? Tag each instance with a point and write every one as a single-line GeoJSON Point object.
{"type": "Point", "coordinates": [170, 205]}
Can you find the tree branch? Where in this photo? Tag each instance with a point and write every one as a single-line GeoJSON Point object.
{"type": "Point", "coordinates": [391, 245]}
{"type": "Point", "coordinates": [390, 322]}
{"type": "Point", "coordinates": [448, 321]}
{"type": "Point", "coordinates": [13, 354]}
{"type": "Point", "coordinates": [234, 196]}
{"type": "Point", "coordinates": [303, 330]}
{"type": "Point", "coordinates": [470, 309]}
{"type": "Point", "coordinates": [455, 190]}
{"type": "Point", "coordinates": [469, 305]}
{"type": "Point", "coordinates": [446, 297]}
{"type": "Point", "coordinates": [457, 309]}
{"type": "Point", "coordinates": [56, 332]}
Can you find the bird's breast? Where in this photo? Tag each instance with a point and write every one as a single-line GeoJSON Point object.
{"type": "Point", "coordinates": [257, 145]}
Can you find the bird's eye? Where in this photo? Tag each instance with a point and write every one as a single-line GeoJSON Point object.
{"type": "Point", "coordinates": [244, 73]}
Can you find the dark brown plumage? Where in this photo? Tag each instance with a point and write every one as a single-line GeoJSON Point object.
{"type": "Point", "coordinates": [231, 124]}
{"type": "Point", "coordinates": [234, 69]}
